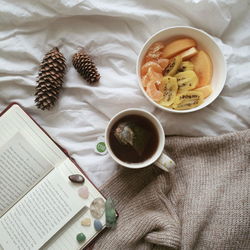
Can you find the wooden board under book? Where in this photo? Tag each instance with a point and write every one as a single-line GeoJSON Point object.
{"type": "Point", "coordinates": [39, 206]}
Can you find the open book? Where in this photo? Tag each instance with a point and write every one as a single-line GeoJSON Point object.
{"type": "Point", "coordinates": [40, 208]}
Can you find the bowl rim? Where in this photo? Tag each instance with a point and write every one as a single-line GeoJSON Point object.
{"type": "Point", "coordinates": [188, 28]}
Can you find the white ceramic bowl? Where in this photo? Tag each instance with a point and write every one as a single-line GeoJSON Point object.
{"type": "Point", "coordinates": [205, 42]}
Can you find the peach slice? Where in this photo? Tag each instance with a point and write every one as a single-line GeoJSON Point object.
{"type": "Point", "coordinates": [187, 54]}
{"type": "Point", "coordinates": [206, 90]}
{"type": "Point", "coordinates": [155, 67]}
{"type": "Point", "coordinates": [177, 46]}
{"type": "Point", "coordinates": [153, 92]}
{"type": "Point", "coordinates": [163, 62]}
{"type": "Point", "coordinates": [203, 68]}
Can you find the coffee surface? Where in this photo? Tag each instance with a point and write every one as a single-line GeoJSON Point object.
{"type": "Point", "coordinates": [127, 153]}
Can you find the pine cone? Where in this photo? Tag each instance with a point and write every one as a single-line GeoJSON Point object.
{"type": "Point", "coordinates": [50, 79]}
{"type": "Point", "coordinates": [85, 67]}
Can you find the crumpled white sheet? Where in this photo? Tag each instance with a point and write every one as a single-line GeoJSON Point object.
{"type": "Point", "coordinates": [113, 32]}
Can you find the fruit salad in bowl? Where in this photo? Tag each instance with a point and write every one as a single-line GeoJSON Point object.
{"type": "Point", "coordinates": [181, 69]}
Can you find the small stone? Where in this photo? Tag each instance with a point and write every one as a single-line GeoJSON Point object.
{"type": "Point", "coordinates": [97, 208]}
{"type": "Point", "coordinates": [81, 237]}
{"type": "Point", "coordinates": [76, 178]}
{"type": "Point", "coordinates": [86, 222]}
{"type": "Point", "coordinates": [97, 225]}
{"type": "Point", "coordinates": [83, 192]}
{"type": "Point", "coordinates": [110, 213]}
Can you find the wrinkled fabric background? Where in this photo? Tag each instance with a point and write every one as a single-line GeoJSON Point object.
{"type": "Point", "coordinates": [113, 32]}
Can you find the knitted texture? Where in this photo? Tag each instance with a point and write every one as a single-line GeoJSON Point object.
{"type": "Point", "coordinates": [203, 204]}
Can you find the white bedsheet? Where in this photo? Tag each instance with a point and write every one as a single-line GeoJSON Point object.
{"type": "Point", "coordinates": [113, 32]}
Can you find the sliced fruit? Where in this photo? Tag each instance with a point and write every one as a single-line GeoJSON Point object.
{"type": "Point", "coordinates": [177, 46]}
{"type": "Point", "coordinates": [206, 90]}
{"type": "Point", "coordinates": [154, 76]}
{"type": "Point", "coordinates": [186, 65]}
{"type": "Point", "coordinates": [188, 100]}
{"type": "Point", "coordinates": [153, 92]}
{"type": "Point", "coordinates": [173, 66]}
{"type": "Point", "coordinates": [154, 52]}
{"type": "Point", "coordinates": [187, 54]}
{"type": "Point", "coordinates": [186, 80]}
{"type": "Point", "coordinates": [203, 68]}
{"type": "Point", "coordinates": [145, 80]}
{"type": "Point", "coordinates": [155, 67]}
{"type": "Point", "coordinates": [157, 46]}
{"type": "Point", "coordinates": [151, 76]}
{"type": "Point", "coordinates": [163, 62]}
{"type": "Point", "coordinates": [169, 89]}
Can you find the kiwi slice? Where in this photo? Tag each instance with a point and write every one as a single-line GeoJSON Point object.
{"type": "Point", "coordinates": [186, 65]}
{"type": "Point", "coordinates": [186, 80]}
{"type": "Point", "coordinates": [173, 66]}
{"type": "Point", "coordinates": [169, 89]}
{"type": "Point", "coordinates": [188, 100]}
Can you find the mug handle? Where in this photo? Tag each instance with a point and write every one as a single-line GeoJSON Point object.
{"type": "Point", "coordinates": [165, 163]}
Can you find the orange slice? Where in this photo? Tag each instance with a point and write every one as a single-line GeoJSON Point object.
{"type": "Point", "coordinates": [153, 92]}
{"type": "Point", "coordinates": [151, 76]}
{"type": "Point", "coordinates": [155, 67]}
{"type": "Point", "coordinates": [163, 62]}
{"type": "Point", "coordinates": [154, 52]}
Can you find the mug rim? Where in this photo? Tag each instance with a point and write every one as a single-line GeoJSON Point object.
{"type": "Point", "coordinates": [160, 131]}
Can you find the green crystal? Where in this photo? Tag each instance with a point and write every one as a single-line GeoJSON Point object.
{"type": "Point", "coordinates": [81, 237]}
{"type": "Point", "coordinates": [110, 213]}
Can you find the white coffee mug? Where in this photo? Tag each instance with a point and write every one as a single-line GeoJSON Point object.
{"type": "Point", "coordinates": [159, 158]}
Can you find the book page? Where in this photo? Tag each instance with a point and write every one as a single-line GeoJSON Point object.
{"type": "Point", "coordinates": [66, 237]}
{"type": "Point", "coordinates": [21, 167]}
{"type": "Point", "coordinates": [15, 120]}
{"type": "Point", "coordinates": [45, 210]}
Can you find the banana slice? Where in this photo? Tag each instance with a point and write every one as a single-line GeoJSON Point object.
{"type": "Point", "coordinates": [187, 54]}
{"type": "Point", "coordinates": [188, 100]}
{"type": "Point", "coordinates": [173, 66]}
{"type": "Point", "coordinates": [186, 65]}
{"type": "Point", "coordinates": [169, 89]}
{"type": "Point", "coordinates": [186, 80]}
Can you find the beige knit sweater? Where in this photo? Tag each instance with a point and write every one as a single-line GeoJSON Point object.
{"type": "Point", "coordinates": [203, 204]}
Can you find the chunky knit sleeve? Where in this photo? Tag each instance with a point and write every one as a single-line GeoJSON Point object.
{"type": "Point", "coordinates": [202, 204]}
{"type": "Point", "coordinates": [146, 217]}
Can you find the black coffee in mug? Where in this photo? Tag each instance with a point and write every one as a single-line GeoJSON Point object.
{"type": "Point", "coordinates": [133, 139]}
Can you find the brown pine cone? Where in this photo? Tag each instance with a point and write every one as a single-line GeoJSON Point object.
{"type": "Point", "coordinates": [50, 79]}
{"type": "Point", "coordinates": [85, 67]}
